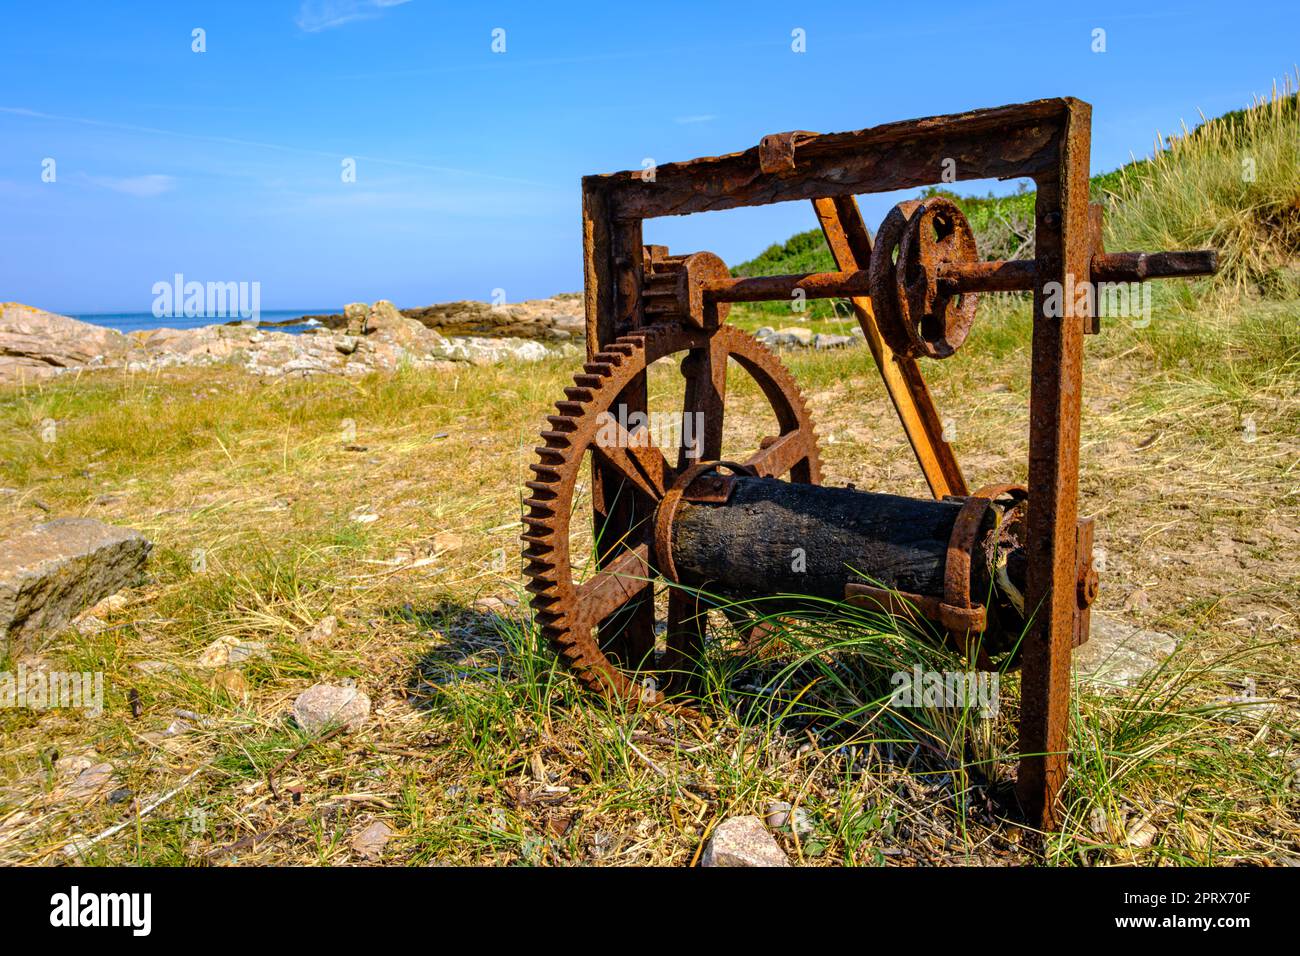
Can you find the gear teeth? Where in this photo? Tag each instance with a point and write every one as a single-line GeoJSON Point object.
{"type": "Point", "coordinates": [579, 394]}
{"type": "Point", "coordinates": [556, 439]}
{"type": "Point", "coordinates": [544, 492]}
{"type": "Point", "coordinates": [598, 369]}
{"type": "Point", "coordinates": [562, 423]}
{"type": "Point", "coordinates": [571, 409]}
{"type": "Point", "coordinates": [589, 381]}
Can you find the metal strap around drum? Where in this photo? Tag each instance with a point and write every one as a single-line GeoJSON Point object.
{"type": "Point", "coordinates": [963, 613]}
{"type": "Point", "coordinates": [667, 510]}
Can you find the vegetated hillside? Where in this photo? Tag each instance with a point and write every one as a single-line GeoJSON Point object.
{"type": "Point", "coordinates": [1231, 183]}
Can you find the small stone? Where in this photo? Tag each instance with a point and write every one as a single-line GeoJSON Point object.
{"type": "Point", "coordinates": [230, 651]}
{"type": "Point", "coordinates": [91, 781]}
{"type": "Point", "coordinates": [231, 681]}
{"type": "Point", "coordinates": [120, 795]}
{"type": "Point", "coordinates": [369, 843]}
{"type": "Point", "coordinates": [73, 764]}
{"type": "Point", "coordinates": [1140, 834]}
{"type": "Point", "coordinates": [346, 344]}
{"type": "Point", "coordinates": [447, 541]}
{"type": "Point", "coordinates": [326, 706]}
{"type": "Point", "coordinates": [778, 814]}
{"type": "Point", "coordinates": [743, 841]}
{"type": "Point", "coordinates": [1137, 600]}
{"type": "Point", "coordinates": [320, 632]}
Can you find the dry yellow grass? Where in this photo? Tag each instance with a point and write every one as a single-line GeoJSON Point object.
{"type": "Point", "coordinates": [480, 751]}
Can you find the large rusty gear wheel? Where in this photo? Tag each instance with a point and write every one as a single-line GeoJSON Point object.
{"type": "Point", "coordinates": [573, 615]}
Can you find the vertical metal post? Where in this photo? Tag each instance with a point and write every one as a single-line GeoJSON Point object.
{"type": "Point", "coordinates": [1063, 254]}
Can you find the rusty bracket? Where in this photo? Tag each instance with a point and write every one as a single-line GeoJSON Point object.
{"type": "Point", "coordinates": [776, 150]}
{"type": "Point", "coordinates": [905, 604]}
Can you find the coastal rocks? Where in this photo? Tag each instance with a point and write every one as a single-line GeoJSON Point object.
{"type": "Point", "coordinates": [743, 841]}
{"type": "Point", "coordinates": [51, 573]}
{"type": "Point", "coordinates": [377, 337]}
{"type": "Point", "coordinates": [354, 317]}
{"type": "Point", "coordinates": [37, 344]}
{"type": "Point", "coordinates": [559, 318]}
{"type": "Point", "coordinates": [326, 706]}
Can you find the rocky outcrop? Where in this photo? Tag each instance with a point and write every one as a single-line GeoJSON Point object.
{"type": "Point", "coordinates": [557, 319]}
{"type": "Point", "coordinates": [376, 337]}
{"type": "Point", "coordinates": [58, 569]}
{"type": "Point", "coordinates": [37, 344]}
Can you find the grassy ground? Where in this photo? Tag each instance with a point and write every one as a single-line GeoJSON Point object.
{"type": "Point", "coordinates": [481, 751]}
{"type": "Point", "coordinates": [367, 531]}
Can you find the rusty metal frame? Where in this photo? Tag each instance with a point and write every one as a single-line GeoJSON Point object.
{"type": "Point", "coordinates": [1045, 140]}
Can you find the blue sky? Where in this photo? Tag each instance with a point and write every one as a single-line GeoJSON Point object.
{"type": "Point", "coordinates": [226, 165]}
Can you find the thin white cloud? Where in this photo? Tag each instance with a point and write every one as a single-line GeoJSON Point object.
{"type": "Point", "coordinates": [317, 15]}
{"type": "Point", "coordinates": [143, 187]}
{"type": "Point", "coordinates": [698, 118]}
{"type": "Point", "coordinates": [278, 147]}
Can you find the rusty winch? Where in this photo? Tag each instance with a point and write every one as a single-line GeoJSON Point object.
{"type": "Point", "coordinates": [1005, 572]}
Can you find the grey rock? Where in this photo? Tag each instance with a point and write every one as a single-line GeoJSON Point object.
{"type": "Point", "coordinates": [792, 337]}
{"type": "Point", "coordinates": [92, 781]}
{"type": "Point", "coordinates": [778, 814]}
{"type": "Point", "coordinates": [824, 341]}
{"type": "Point", "coordinates": [326, 706]}
{"type": "Point", "coordinates": [743, 841]}
{"type": "Point", "coordinates": [1119, 654]}
{"type": "Point", "coordinates": [53, 572]}
{"type": "Point", "coordinates": [369, 843]}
